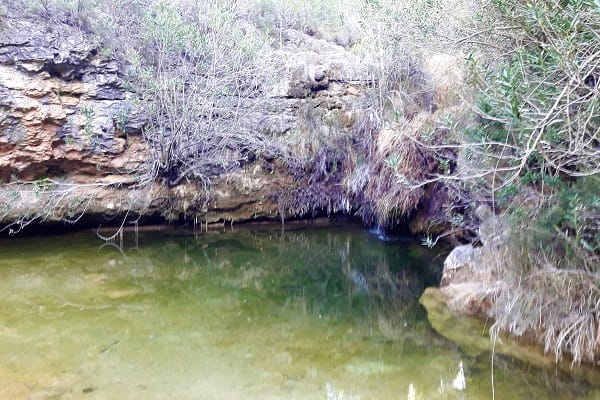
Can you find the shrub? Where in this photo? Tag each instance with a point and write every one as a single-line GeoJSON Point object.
{"type": "Point", "coordinates": [540, 118]}
{"type": "Point", "coordinates": [537, 142]}
{"type": "Point", "coordinates": [200, 75]}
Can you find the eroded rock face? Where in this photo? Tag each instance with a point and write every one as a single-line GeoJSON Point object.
{"type": "Point", "coordinates": [71, 134]}
{"type": "Point", "coordinates": [239, 196]}
{"type": "Point", "coordinates": [64, 111]}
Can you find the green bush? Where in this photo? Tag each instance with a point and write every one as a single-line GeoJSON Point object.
{"type": "Point", "coordinates": [539, 105]}
{"type": "Point", "coordinates": [540, 116]}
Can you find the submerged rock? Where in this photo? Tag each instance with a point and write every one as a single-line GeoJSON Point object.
{"type": "Point", "coordinates": [472, 275]}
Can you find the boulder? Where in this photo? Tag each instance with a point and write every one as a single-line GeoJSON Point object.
{"type": "Point", "coordinates": [472, 334]}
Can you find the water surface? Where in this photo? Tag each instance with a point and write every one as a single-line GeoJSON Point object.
{"type": "Point", "coordinates": [249, 313]}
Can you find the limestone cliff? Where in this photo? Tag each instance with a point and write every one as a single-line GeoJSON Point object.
{"type": "Point", "coordinates": [69, 125]}
{"type": "Point", "coordinates": [72, 143]}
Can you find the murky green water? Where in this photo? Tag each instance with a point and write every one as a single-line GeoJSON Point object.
{"type": "Point", "coordinates": [251, 314]}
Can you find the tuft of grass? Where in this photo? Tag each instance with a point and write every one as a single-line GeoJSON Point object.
{"type": "Point", "coordinates": [559, 309]}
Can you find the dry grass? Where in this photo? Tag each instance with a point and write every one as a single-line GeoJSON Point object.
{"type": "Point", "coordinates": [558, 309]}
{"type": "Point", "coordinates": [396, 161]}
{"type": "Point", "coordinates": [547, 298]}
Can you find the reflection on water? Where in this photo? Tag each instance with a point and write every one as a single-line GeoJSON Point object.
{"type": "Point", "coordinates": [252, 314]}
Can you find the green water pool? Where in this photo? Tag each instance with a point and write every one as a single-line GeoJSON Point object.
{"type": "Point", "coordinates": [242, 313]}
